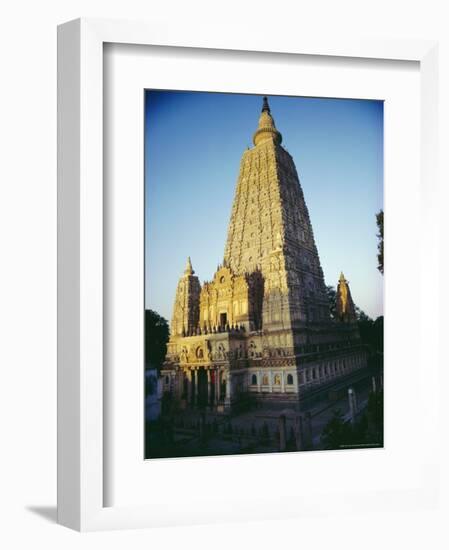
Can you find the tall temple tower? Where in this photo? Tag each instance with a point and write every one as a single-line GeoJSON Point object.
{"type": "Point", "coordinates": [270, 230]}
{"type": "Point", "coordinates": [262, 326]}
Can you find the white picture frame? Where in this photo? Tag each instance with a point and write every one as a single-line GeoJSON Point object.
{"type": "Point", "coordinates": [81, 404]}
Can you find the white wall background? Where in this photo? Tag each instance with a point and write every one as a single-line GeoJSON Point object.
{"type": "Point", "coordinates": [28, 266]}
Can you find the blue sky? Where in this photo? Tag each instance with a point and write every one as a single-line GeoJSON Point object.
{"type": "Point", "coordinates": [193, 145]}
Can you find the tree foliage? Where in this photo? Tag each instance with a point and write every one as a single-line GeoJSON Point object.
{"type": "Point", "coordinates": [361, 315]}
{"type": "Point", "coordinates": [371, 332]}
{"type": "Point", "coordinates": [368, 429]}
{"type": "Point", "coordinates": [380, 244]}
{"type": "Point", "coordinates": [337, 432]}
{"type": "Point", "coordinates": [156, 338]}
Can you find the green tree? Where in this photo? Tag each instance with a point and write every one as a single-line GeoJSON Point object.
{"type": "Point", "coordinates": [156, 338]}
{"type": "Point", "coordinates": [371, 332]}
{"type": "Point", "coordinates": [337, 432]}
{"type": "Point", "coordinates": [379, 334]}
{"type": "Point", "coordinates": [368, 428]}
{"type": "Point", "coordinates": [380, 244]}
{"type": "Point", "coordinates": [375, 418]}
{"type": "Point", "coordinates": [361, 315]}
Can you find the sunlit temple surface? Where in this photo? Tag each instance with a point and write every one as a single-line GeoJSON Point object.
{"type": "Point", "coordinates": [261, 329]}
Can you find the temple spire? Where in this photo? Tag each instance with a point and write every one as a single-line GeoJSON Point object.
{"type": "Point", "coordinates": [265, 106]}
{"type": "Point", "coordinates": [266, 129]}
{"type": "Point", "coordinates": [189, 269]}
{"type": "Point", "coordinates": [344, 303]}
{"type": "Point", "coordinates": [186, 307]}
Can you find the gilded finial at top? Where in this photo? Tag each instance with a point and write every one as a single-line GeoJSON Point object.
{"type": "Point", "coordinates": [266, 129]}
{"type": "Point", "coordinates": [265, 106]}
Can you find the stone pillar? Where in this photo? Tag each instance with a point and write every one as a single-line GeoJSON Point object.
{"type": "Point", "coordinates": [179, 384]}
{"type": "Point", "coordinates": [197, 386]}
{"type": "Point", "coordinates": [298, 432]}
{"type": "Point", "coordinates": [309, 434]}
{"type": "Point", "coordinates": [228, 389]}
{"type": "Point", "coordinates": [209, 392]}
{"type": "Point", "coordinates": [283, 382]}
{"type": "Point", "coordinates": [202, 424]}
{"type": "Point", "coordinates": [188, 386]}
{"type": "Point", "coordinates": [259, 380]}
{"type": "Point", "coordinates": [192, 387]}
{"type": "Point", "coordinates": [282, 433]}
{"type": "Point", "coordinates": [217, 386]}
{"type": "Point", "coordinates": [270, 381]}
{"type": "Point", "coordinates": [354, 398]}
{"type": "Point", "coordinates": [352, 405]}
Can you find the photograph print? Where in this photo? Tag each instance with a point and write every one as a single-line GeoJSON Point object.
{"type": "Point", "coordinates": [263, 274]}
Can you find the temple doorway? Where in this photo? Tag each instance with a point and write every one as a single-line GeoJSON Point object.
{"type": "Point", "coordinates": [223, 319]}
{"type": "Point", "coordinates": [202, 388]}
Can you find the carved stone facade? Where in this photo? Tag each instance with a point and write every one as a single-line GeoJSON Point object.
{"type": "Point", "coordinates": [232, 300]}
{"type": "Point", "coordinates": [262, 326]}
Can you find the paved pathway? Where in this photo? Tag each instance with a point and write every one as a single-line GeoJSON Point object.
{"type": "Point", "coordinates": [248, 423]}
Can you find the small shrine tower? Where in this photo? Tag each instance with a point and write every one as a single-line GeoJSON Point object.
{"type": "Point", "coordinates": [345, 305]}
{"type": "Point", "coordinates": [186, 308]}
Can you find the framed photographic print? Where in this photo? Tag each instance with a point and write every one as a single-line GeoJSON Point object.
{"type": "Point", "coordinates": [266, 355]}
{"type": "Point", "coordinates": [230, 344]}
